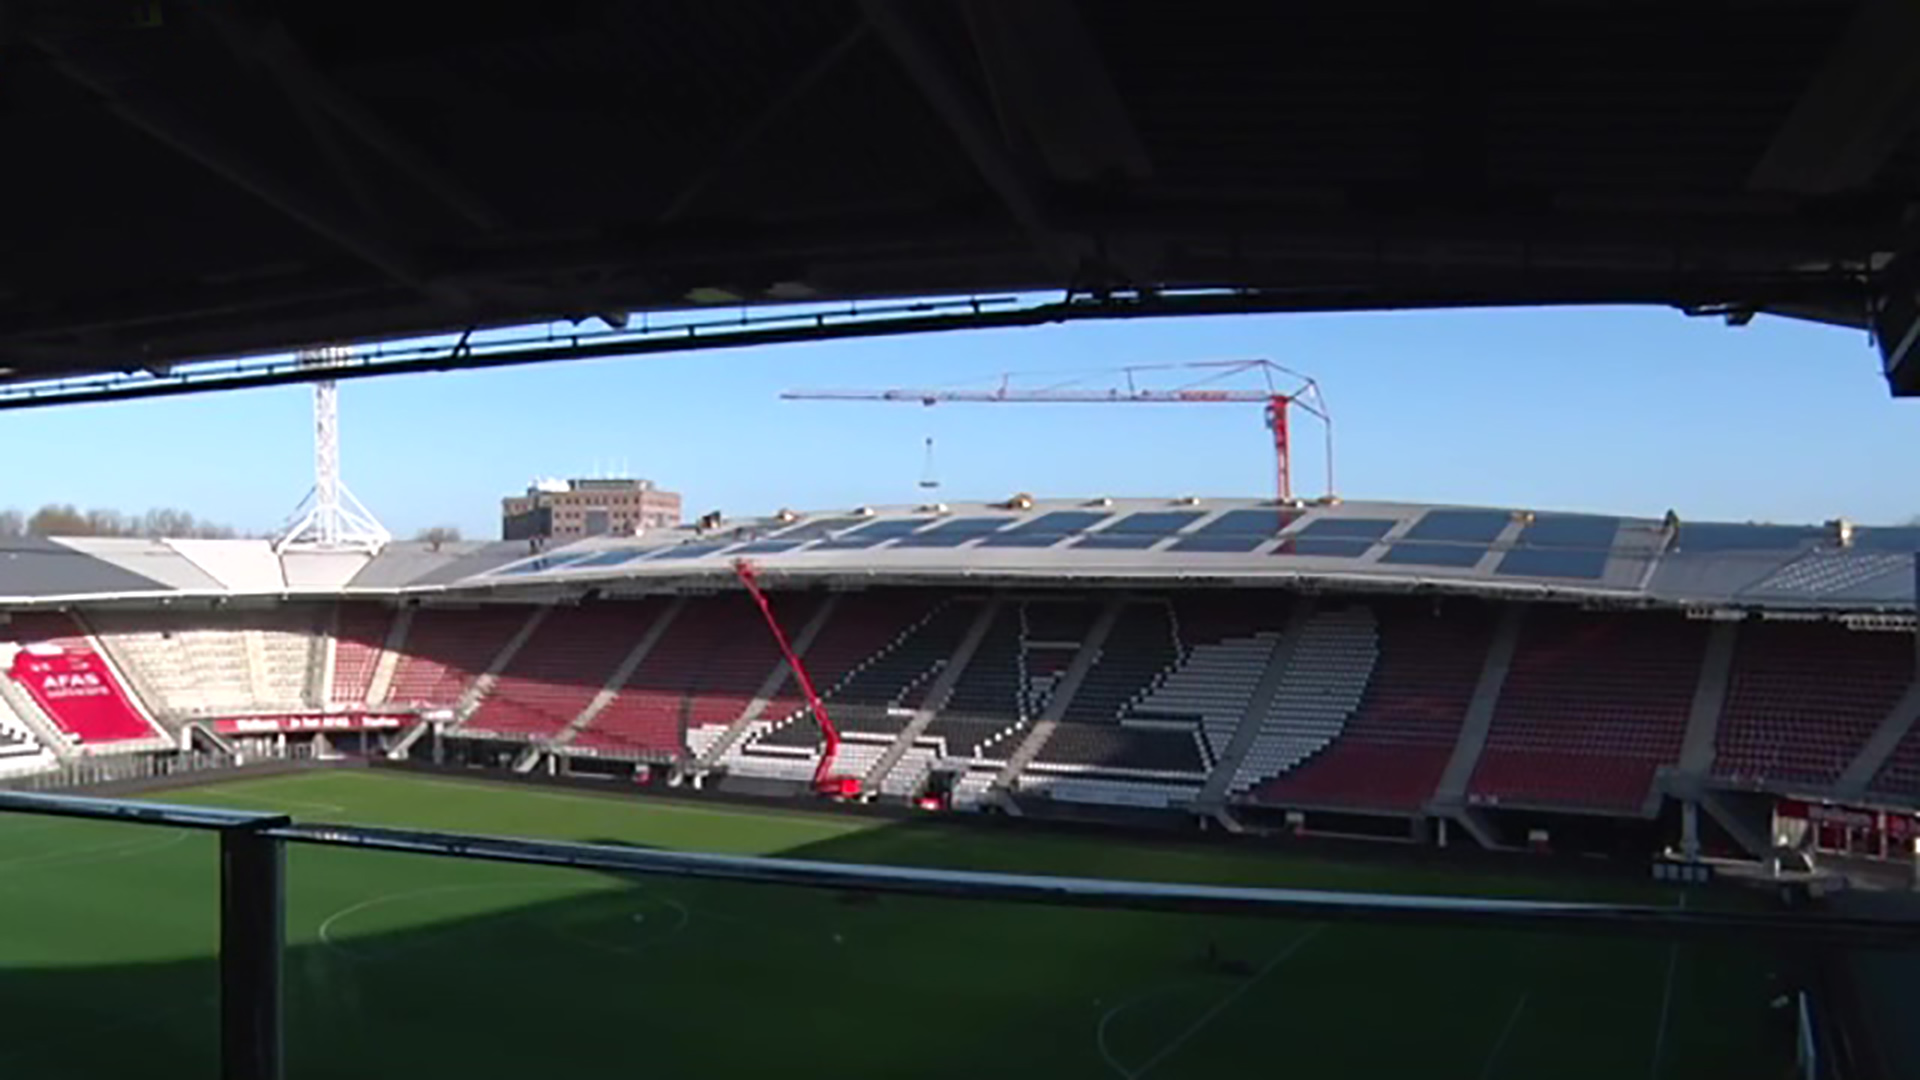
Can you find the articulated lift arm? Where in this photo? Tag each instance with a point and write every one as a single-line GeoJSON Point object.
{"type": "Point", "coordinates": [824, 782]}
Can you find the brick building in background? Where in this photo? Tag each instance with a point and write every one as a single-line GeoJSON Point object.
{"type": "Point", "coordinates": [571, 509]}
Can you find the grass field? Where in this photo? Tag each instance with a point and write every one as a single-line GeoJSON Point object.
{"type": "Point", "coordinates": [408, 966]}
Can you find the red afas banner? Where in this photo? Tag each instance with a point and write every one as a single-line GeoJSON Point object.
{"type": "Point", "coordinates": [78, 692]}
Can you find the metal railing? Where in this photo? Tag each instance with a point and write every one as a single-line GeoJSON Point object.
{"type": "Point", "coordinates": [136, 768]}
{"type": "Point", "coordinates": [253, 899]}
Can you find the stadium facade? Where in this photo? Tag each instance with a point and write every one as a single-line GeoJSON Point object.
{"type": "Point", "coordinates": [1396, 669]}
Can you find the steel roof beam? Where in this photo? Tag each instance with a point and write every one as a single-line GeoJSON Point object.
{"type": "Point", "coordinates": [147, 114]}
{"type": "Point", "coordinates": [1048, 78]}
{"type": "Point", "coordinates": [1860, 107]}
{"type": "Point", "coordinates": [273, 50]}
{"type": "Point", "coordinates": [959, 110]}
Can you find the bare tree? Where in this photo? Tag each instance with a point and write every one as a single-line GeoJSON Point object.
{"type": "Point", "coordinates": [64, 519]}
{"type": "Point", "coordinates": [438, 535]}
{"type": "Point", "coordinates": [56, 519]}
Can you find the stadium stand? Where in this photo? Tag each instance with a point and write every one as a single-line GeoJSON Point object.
{"type": "Point", "coordinates": [1804, 697]}
{"type": "Point", "coordinates": [1899, 775]}
{"type": "Point", "coordinates": [447, 649]}
{"type": "Point", "coordinates": [871, 663]}
{"type": "Point", "coordinates": [1136, 732]}
{"type": "Point", "coordinates": [1397, 743]}
{"type": "Point", "coordinates": [1010, 680]}
{"type": "Point", "coordinates": [1325, 678]}
{"type": "Point", "coordinates": [987, 701]}
{"type": "Point", "coordinates": [103, 729]}
{"type": "Point", "coordinates": [1592, 707]}
{"type": "Point", "coordinates": [248, 661]}
{"type": "Point", "coordinates": [21, 752]}
{"type": "Point", "coordinates": [560, 669]}
{"type": "Point", "coordinates": [360, 638]}
{"type": "Point", "coordinates": [698, 679]}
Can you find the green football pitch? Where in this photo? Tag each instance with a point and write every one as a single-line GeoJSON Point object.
{"type": "Point", "coordinates": [412, 966]}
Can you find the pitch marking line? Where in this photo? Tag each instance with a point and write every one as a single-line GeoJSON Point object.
{"type": "Point", "coordinates": [1100, 1032]}
{"type": "Point", "coordinates": [110, 852]}
{"type": "Point", "coordinates": [1221, 1006]}
{"type": "Point", "coordinates": [1500, 1044]}
{"type": "Point", "coordinates": [1666, 1005]}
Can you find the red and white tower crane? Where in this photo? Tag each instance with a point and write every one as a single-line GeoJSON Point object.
{"type": "Point", "coordinates": [1194, 384]}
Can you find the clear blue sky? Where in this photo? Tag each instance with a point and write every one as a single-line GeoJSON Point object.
{"type": "Point", "coordinates": [1622, 410]}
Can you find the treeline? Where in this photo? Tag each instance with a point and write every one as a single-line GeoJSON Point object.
{"type": "Point", "coordinates": [56, 519]}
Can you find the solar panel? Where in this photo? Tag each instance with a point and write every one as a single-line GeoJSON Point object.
{"type": "Point", "coordinates": [1553, 562]}
{"type": "Point", "coordinates": [1237, 531]}
{"type": "Point", "coordinates": [694, 551]}
{"type": "Point", "coordinates": [768, 547]}
{"type": "Point", "coordinates": [614, 558]}
{"type": "Point", "coordinates": [1414, 553]}
{"type": "Point", "coordinates": [1328, 528]}
{"type": "Point", "coordinates": [1901, 539]}
{"type": "Point", "coordinates": [872, 534]}
{"type": "Point", "coordinates": [1263, 523]}
{"type": "Point", "coordinates": [539, 565]}
{"type": "Point", "coordinates": [1714, 536]}
{"type": "Point", "coordinates": [1153, 522]}
{"type": "Point", "coordinates": [1047, 529]}
{"type": "Point", "coordinates": [1460, 526]}
{"type": "Point", "coordinates": [1110, 541]}
{"type": "Point", "coordinates": [1226, 543]}
{"type": "Point", "coordinates": [1326, 549]}
{"type": "Point", "coordinates": [1569, 530]}
{"type": "Point", "coordinates": [814, 530]}
{"type": "Point", "coordinates": [954, 533]}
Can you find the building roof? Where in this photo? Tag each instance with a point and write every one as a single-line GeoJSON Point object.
{"type": "Point", "coordinates": [1141, 543]}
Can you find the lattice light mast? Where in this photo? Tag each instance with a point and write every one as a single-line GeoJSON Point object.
{"type": "Point", "coordinates": [330, 518]}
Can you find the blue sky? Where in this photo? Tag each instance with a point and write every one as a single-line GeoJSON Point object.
{"type": "Point", "coordinates": [1622, 410]}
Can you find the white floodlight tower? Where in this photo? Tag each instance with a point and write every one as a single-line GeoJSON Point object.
{"type": "Point", "coordinates": [330, 518]}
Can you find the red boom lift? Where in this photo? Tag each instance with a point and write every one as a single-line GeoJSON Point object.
{"type": "Point", "coordinates": [824, 782]}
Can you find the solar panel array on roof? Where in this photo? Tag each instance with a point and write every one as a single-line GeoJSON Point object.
{"type": "Point", "coordinates": [1563, 546]}
{"type": "Point", "coordinates": [1897, 539]}
{"type": "Point", "coordinates": [1336, 538]}
{"type": "Point", "coordinates": [1460, 526]}
{"type": "Point", "coordinates": [1569, 530]}
{"type": "Point", "coordinates": [1237, 531]}
{"type": "Point", "coordinates": [955, 532]}
{"type": "Point", "coordinates": [768, 547]}
{"type": "Point", "coordinates": [613, 558]}
{"type": "Point", "coordinates": [1047, 529]}
{"type": "Point", "coordinates": [1715, 537]}
{"type": "Point", "coordinates": [1414, 553]}
{"type": "Point", "coordinates": [872, 534]}
{"type": "Point", "coordinates": [1139, 531]}
{"type": "Point", "coordinates": [694, 551]}
{"type": "Point", "coordinates": [1155, 522]}
{"type": "Point", "coordinates": [814, 530]}
{"type": "Point", "coordinates": [1351, 528]}
{"type": "Point", "coordinates": [1562, 562]}
{"type": "Point", "coordinates": [540, 565]}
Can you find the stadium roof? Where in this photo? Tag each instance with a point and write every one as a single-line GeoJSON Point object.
{"type": "Point", "coordinates": [195, 180]}
{"type": "Point", "coordinates": [1128, 543]}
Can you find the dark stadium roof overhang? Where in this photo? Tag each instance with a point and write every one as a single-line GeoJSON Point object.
{"type": "Point", "coordinates": [196, 180]}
